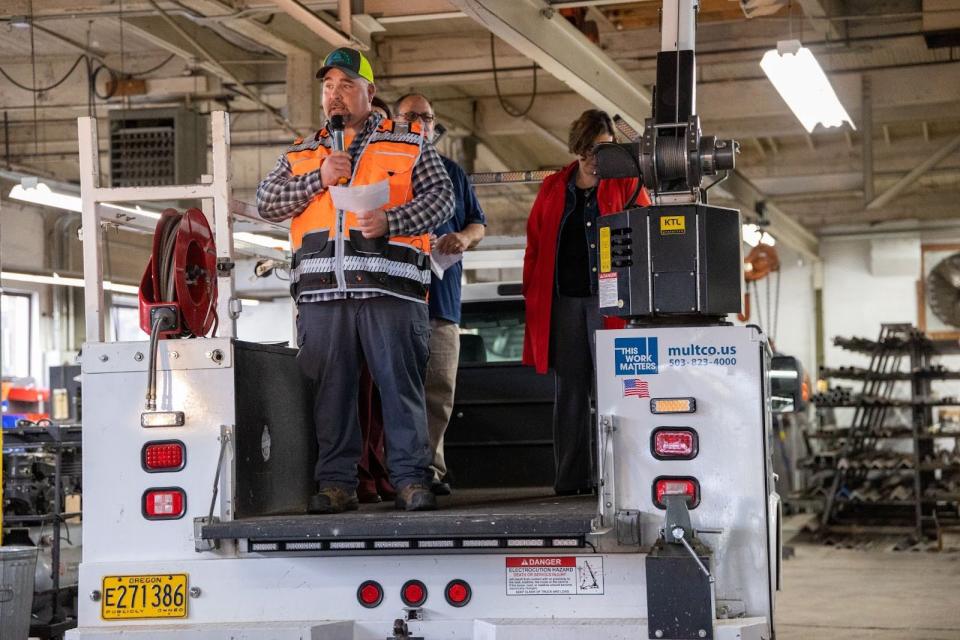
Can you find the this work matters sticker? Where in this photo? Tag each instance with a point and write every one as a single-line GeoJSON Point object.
{"type": "Point", "coordinates": [636, 356]}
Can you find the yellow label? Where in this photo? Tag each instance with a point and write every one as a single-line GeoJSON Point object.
{"type": "Point", "coordinates": [604, 249]}
{"type": "Point", "coordinates": [673, 224]}
{"type": "Point", "coordinates": [145, 596]}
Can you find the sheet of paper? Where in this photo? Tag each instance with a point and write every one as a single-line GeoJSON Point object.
{"type": "Point", "coordinates": [365, 198]}
{"type": "Point", "coordinates": [440, 262]}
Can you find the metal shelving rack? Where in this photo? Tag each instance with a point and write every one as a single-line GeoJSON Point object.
{"type": "Point", "coordinates": [858, 461]}
{"type": "Point", "coordinates": [55, 439]}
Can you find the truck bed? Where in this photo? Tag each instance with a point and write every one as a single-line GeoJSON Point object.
{"type": "Point", "coordinates": [470, 518]}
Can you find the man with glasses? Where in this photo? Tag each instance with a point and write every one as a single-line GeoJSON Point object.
{"type": "Point", "coordinates": [461, 232]}
{"type": "Point", "coordinates": [361, 278]}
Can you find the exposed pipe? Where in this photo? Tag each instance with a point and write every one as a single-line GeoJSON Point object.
{"type": "Point", "coordinates": [866, 133]}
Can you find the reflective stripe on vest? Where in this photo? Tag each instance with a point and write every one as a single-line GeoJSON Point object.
{"type": "Point", "coordinates": [330, 253]}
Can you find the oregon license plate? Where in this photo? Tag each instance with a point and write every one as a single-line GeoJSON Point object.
{"type": "Point", "coordinates": [144, 596]}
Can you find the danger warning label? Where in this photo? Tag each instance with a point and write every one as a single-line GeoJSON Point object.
{"type": "Point", "coordinates": [554, 575]}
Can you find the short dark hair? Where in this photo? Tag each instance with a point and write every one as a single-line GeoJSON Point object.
{"type": "Point", "coordinates": [412, 94]}
{"type": "Point", "coordinates": [585, 130]}
{"type": "Point", "coordinates": [381, 104]}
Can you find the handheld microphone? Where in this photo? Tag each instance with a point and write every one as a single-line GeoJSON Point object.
{"type": "Point", "coordinates": [336, 126]}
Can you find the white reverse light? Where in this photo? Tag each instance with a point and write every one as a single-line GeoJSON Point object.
{"type": "Point", "coordinates": [801, 82]}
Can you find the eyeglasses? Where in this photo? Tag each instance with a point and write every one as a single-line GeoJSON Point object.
{"type": "Point", "coordinates": [413, 116]}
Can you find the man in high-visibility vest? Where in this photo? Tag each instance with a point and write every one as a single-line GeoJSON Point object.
{"type": "Point", "coordinates": [360, 280]}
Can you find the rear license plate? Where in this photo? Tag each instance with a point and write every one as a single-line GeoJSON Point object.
{"type": "Point", "coordinates": [144, 596]}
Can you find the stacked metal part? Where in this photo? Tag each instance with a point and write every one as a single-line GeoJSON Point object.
{"type": "Point", "coordinates": [893, 462]}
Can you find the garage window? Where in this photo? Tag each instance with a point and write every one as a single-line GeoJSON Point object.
{"type": "Point", "coordinates": [17, 334]}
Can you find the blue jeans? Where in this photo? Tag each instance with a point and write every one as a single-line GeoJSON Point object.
{"type": "Point", "coordinates": [392, 335]}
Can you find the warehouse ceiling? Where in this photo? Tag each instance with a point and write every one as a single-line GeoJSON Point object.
{"type": "Point", "coordinates": [256, 58]}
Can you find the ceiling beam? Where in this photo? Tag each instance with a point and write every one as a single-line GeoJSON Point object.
{"type": "Point", "coordinates": [165, 35]}
{"type": "Point", "coordinates": [931, 161]}
{"type": "Point", "coordinates": [319, 25]}
{"type": "Point", "coordinates": [819, 17]}
{"type": "Point", "coordinates": [541, 34]}
{"type": "Point", "coordinates": [544, 36]}
{"type": "Point", "coordinates": [283, 35]}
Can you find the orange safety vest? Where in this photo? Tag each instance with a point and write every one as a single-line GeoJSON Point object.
{"type": "Point", "coordinates": [329, 252]}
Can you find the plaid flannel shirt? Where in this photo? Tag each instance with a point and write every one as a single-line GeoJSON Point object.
{"type": "Point", "coordinates": [282, 195]}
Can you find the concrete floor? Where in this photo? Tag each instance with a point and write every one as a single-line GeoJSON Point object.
{"type": "Point", "coordinates": [834, 594]}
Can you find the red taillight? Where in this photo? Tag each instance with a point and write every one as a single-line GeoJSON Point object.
{"type": "Point", "coordinates": [457, 593]}
{"type": "Point", "coordinates": [370, 594]}
{"type": "Point", "coordinates": [688, 487]}
{"type": "Point", "coordinates": [168, 503]}
{"type": "Point", "coordinates": [166, 455]}
{"type": "Point", "coordinates": [413, 593]}
{"type": "Point", "coordinates": [669, 443]}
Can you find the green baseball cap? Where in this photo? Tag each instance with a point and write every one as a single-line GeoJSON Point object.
{"type": "Point", "coordinates": [350, 61]}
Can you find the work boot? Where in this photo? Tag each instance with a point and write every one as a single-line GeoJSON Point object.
{"type": "Point", "coordinates": [415, 497]}
{"type": "Point", "coordinates": [440, 488]}
{"type": "Point", "coordinates": [333, 499]}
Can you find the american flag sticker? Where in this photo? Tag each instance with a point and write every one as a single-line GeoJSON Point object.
{"type": "Point", "coordinates": [636, 387]}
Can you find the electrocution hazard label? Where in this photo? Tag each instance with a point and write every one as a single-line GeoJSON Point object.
{"type": "Point", "coordinates": [555, 576]}
{"type": "Point", "coordinates": [609, 290]}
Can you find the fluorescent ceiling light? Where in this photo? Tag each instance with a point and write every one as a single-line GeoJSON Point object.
{"type": "Point", "coordinates": [64, 282]}
{"type": "Point", "coordinates": [262, 240]}
{"type": "Point", "coordinates": [35, 192]}
{"type": "Point", "coordinates": [137, 210]}
{"type": "Point", "coordinates": [59, 281]}
{"type": "Point", "coordinates": [753, 235]}
{"type": "Point", "coordinates": [801, 82]}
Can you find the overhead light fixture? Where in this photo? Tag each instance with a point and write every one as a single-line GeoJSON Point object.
{"type": "Point", "coordinates": [754, 235]}
{"type": "Point", "coordinates": [262, 240]}
{"type": "Point", "coordinates": [61, 281]}
{"type": "Point", "coordinates": [801, 82]}
{"type": "Point", "coordinates": [35, 192]}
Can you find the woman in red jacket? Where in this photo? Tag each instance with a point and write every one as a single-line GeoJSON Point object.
{"type": "Point", "coordinates": [560, 288]}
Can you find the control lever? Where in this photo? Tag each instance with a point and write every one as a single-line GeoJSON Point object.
{"type": "Point", "coordinates": [678, 534]}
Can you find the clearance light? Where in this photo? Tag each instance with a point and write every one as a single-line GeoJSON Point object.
{"type": "Point", "coordinates": [391, 544]}
{"type": "Point", "coordinates": [348, 545]}
{"type": "Point", "coordinates": [673, 405]}
{"type": "Point", "coordinates": [526, 542]}
{"type": "Point", "coordinates": [480, 544]}
{"type": "Point", "coordinates": [801, 82]}
{"type": "Point", "coordinates": [670, 443]}
{"type": "Point", "coordinates": [169, 503]}
{"type": "Point", "coordinates": [565, 542]}
{"type": "Point", "coordinates": [413, 593]}
{"type": "Point", "coordinates": [436, 544]}
{"type": "Point", "coordinates": [370, 594]}
{"type": "Point", "coordinates": [166, 455]}
{"type": "Point", "coordinates": [457, 593]}
{"type": "Point", "coordinates": [665, 486]}
{"type": "Point", "coordinates": [303, 546]}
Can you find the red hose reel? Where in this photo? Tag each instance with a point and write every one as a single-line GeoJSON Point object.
{"type": "Point", "coordinates": [181, 276]}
